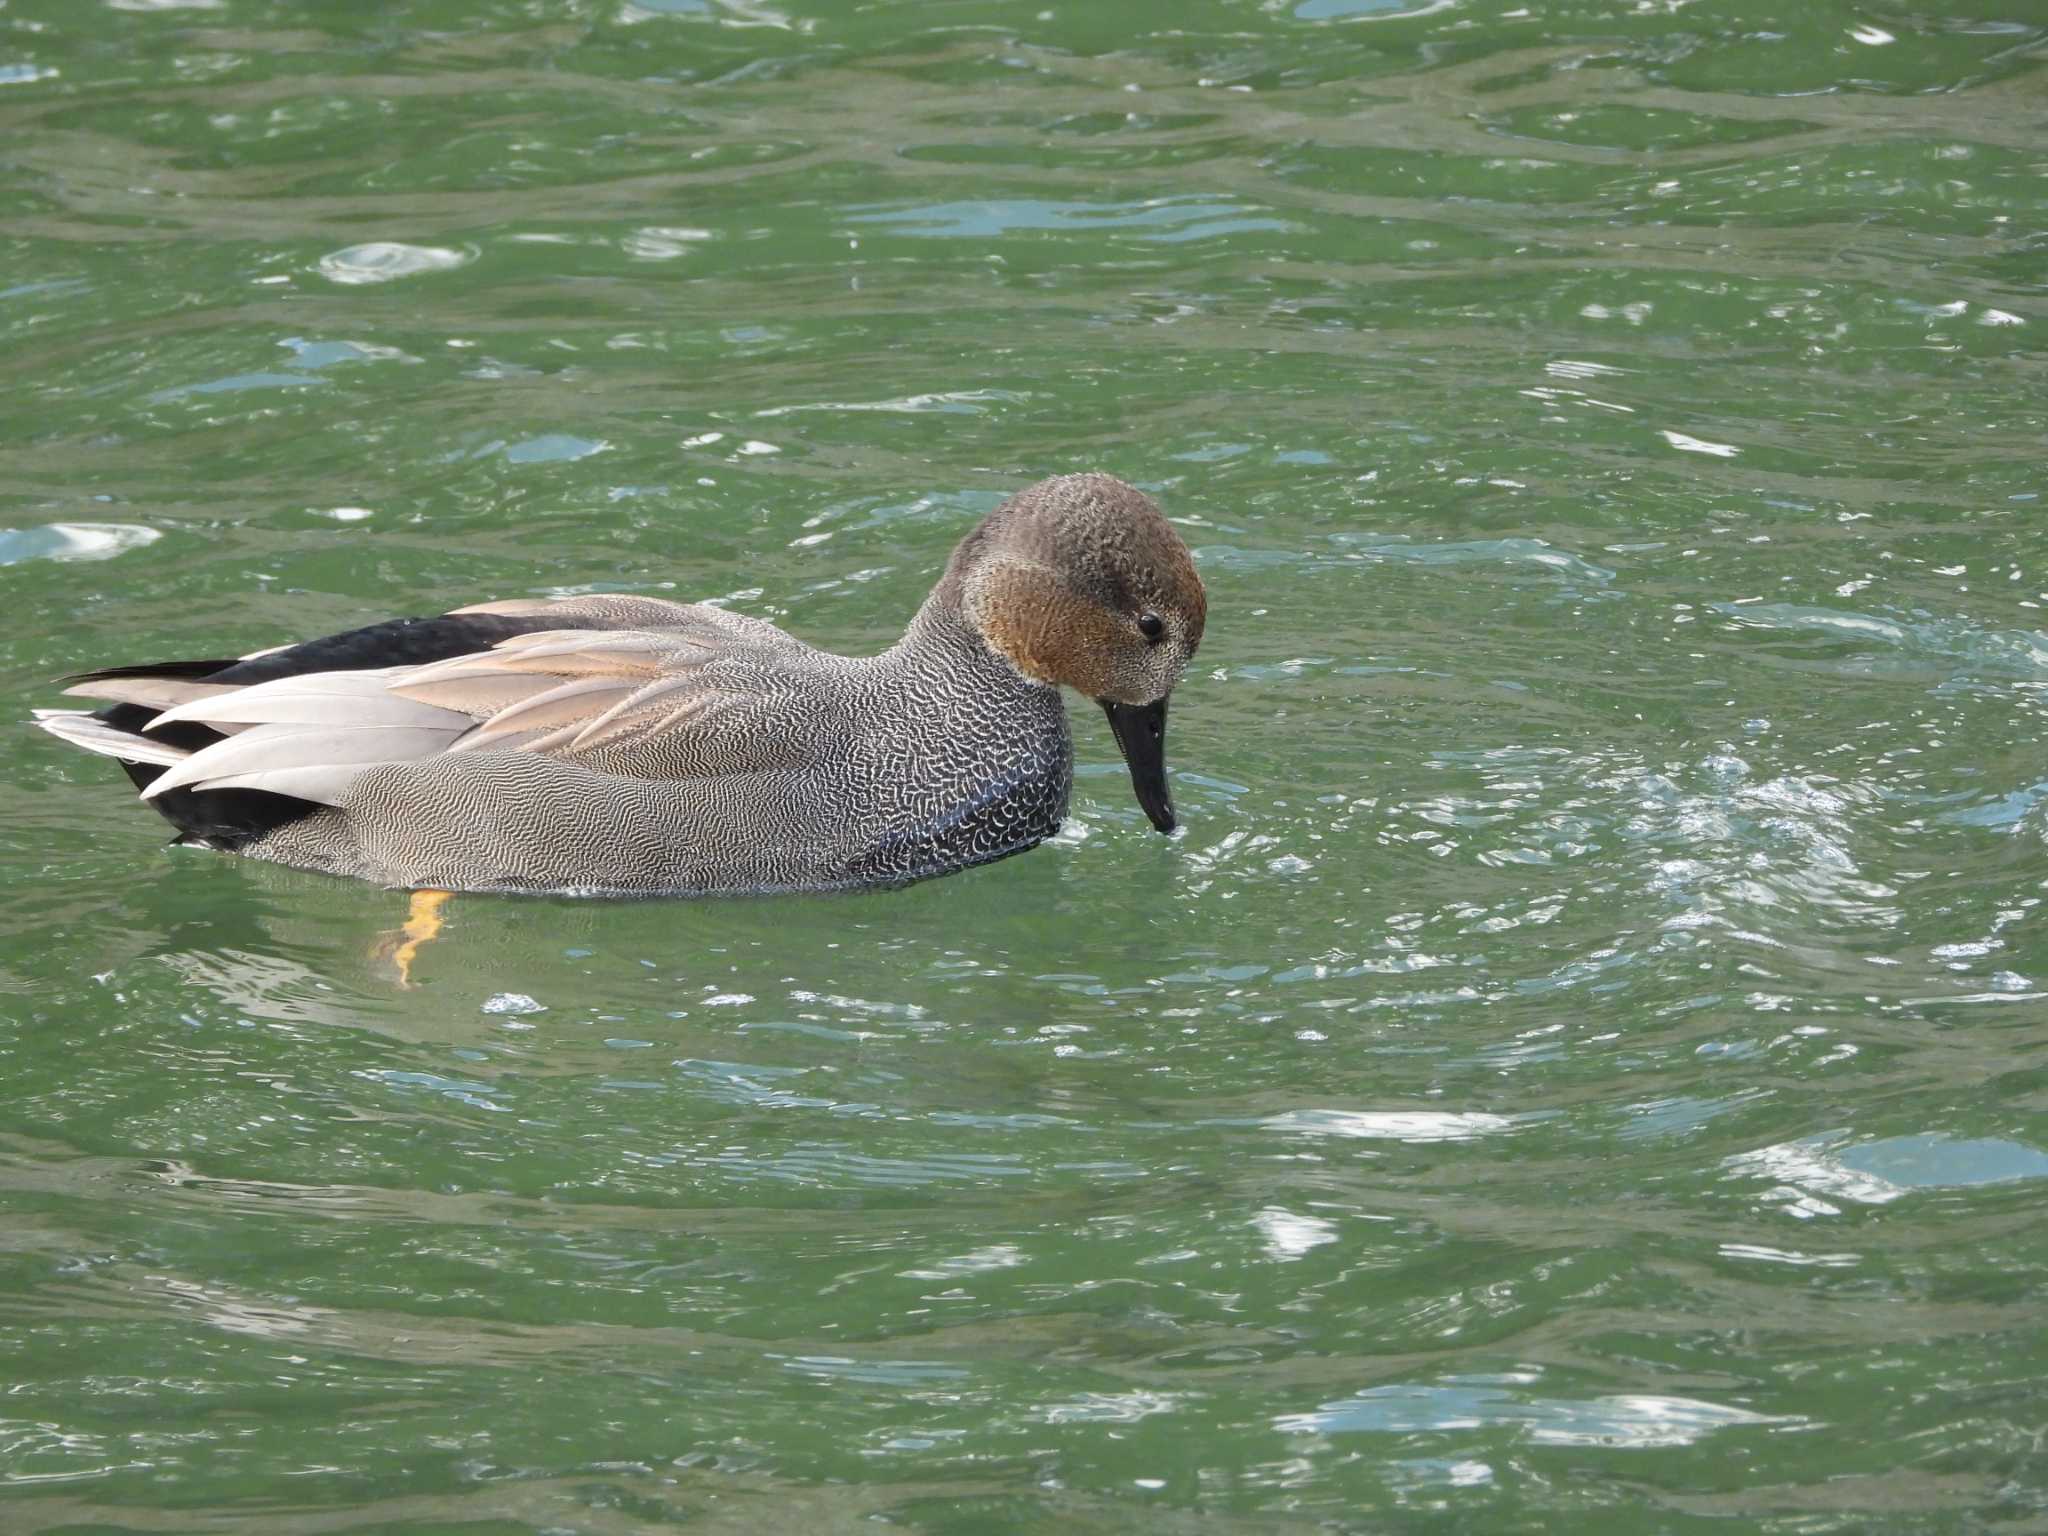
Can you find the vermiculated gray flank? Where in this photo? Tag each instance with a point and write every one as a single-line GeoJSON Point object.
{"type": "Point", "coordinates": [631, 745]}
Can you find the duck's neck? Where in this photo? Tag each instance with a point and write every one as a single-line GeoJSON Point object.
{"type": "Point", "coordinates": [940, 628]}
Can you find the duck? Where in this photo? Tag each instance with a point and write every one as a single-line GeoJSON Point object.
{"type": "Point", "coordinates": [622, 745]}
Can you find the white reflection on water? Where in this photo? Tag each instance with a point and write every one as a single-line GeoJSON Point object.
{"type": "Point", "coordinates": [1110, 1407]}
{"type": "Point", "coordinates": [1389, 1125]}
{"type": "Point", "coordinates": [662, 242]}
{"type": "Point", "coordinates": [1632, 1421]}
{"type": "Point", "coordinates": [1167, 220]}
{"type": "Point", "coordinates": [1506, 551]}
{"type": "Point", "coordinates": [982, 1260]}
{"type": "Point", "coordinates": [1684, 442]}
{"type": "Point", "coordinates": [384, 261]}
{"type": "Point", "coordinates": [1766, 1255]}
{"type": "Point", "coordinates": [1812, 1173]}
{"type": "Point", "coordinates": [223, 1308]}
{"type": "Point", "coordinates": [1971, 649]}
{"type": "Point", "coordinates": [1289, 1235]}
{"type": "Point", "coordinates": [72, 541]}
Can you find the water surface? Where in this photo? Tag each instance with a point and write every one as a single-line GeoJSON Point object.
{"type": "Point", "coordinates": [1582, 1064]}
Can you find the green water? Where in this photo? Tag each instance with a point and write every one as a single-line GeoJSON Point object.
{"type": "Point", "coordinates": [1583, 1063]}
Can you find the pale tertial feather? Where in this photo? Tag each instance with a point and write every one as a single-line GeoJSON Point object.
{"type": "Point", "coordinates": [150, 692]}
{"type": "Point", "coordinates": [80, 729]}
{"type": "Point", "coordinates": [340, 699]}
{"type": "Point", "coordinates": [693, 715]}
{"type": "Point", "coordinates": [584, 651]}
{"type": "Point", "coordinates": [340, 712]}
{"type": "Point", "coordinates": [475, 696]}
{"type": "Point", "coordinates": [511, 741]}
{"type": "Point", "coordinates": [629, 716]}
{"type": "Point", "coordinates": [566, 660]}
{"type": "Point", "coordinates": [525, 642]}
{"type": "Point", "coordinates": [533, 741]}
{"type": "Point", "coordinates": [614, 728]}
{"type": "Point", "coordinates": [322, 783]}
{"type": "Point", "coordinates": [513, 607]}
{"type": "Point", "coordinates": [278, 746]}
{"type": "Point", "coordinates": [572, 701]}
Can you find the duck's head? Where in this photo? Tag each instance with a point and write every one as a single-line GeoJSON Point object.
{"type": "Point", "coordinates": [1081, 581]}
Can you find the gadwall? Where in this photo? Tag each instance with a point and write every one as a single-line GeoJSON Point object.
{"type": "Point", "coordinates": [630, 745]}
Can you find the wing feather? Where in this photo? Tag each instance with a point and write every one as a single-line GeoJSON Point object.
{"type": "Point", "coordinates": [81, 729]}
{"type": "Point", "coordinates": [707, 697]}
{"type": "Point", "coordinates": [269, 748]}
{"type": "Point", "coordinates": [615, 611]}
{"type": "Point", "coordinates": [570, 703]}
{"type": "Point", "coordinates": [476, 696]}
{"type": "Point", "coordinates": [342, 699]}
{"type": "Point", "coordinates": [149, 692]}
{"type": "Point", "coordinates": [652, 711]}
{"type": "Point", "coordinates": [566, 653]}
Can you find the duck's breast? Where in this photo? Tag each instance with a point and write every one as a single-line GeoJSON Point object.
{"type": "Point", "coordinates": [960, 770]}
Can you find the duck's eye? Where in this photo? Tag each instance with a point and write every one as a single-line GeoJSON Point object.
{"type": "Point", "coordinates": [1151, 626]}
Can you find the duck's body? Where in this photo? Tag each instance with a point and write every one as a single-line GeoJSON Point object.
{"type": "Point", "coordinates": [825, 771]}
{"type": "Point", "coordinates": [631, 745]}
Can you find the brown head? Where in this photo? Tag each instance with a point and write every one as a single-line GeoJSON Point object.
{"type": "Point", "coordinates": [1081, 581]}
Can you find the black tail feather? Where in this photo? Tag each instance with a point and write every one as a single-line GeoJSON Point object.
{"type": "Point", "coordinates": [190, 671]}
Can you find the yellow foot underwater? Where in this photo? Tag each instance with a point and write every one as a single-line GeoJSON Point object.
{"type": "Point", "coordinates": [422, 923]}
